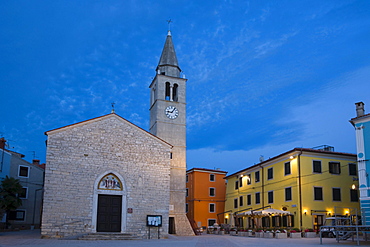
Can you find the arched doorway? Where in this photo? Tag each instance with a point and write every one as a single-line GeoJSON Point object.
{"type": "Point", "coordinates": [109, 203]}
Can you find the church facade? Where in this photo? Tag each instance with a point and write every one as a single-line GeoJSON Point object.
{"type": "Point", "coordinates": [108, 175]}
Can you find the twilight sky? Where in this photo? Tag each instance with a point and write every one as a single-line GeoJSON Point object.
{"type": "Point", "coordinates": [263, 76]}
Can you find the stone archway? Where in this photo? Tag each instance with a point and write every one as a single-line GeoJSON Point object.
{"type": "Point", "coordinates": [109, 199]}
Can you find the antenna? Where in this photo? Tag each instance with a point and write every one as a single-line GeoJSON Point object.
{"type": "Point", "coordinates": [33, 154]}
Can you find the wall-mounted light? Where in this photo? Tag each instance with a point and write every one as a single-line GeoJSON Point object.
{"type": "Point", "coordinates": [329, 213]}
{"type": "Point", "coordinates": [305, 211]}
{"type": "Point", "coordinates": [353, 186]}
{"type": "Point", "coordinates": [291, 157]}
{"type": "Point", "coordinates": [346, 212]}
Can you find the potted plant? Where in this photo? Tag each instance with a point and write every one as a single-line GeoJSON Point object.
{"type": "Point", "coordinates": [233, 232]}
{"type": "Point", "coordinates": [310, 233]}
{"type": "Point", "coordinates": [295, 233]}
{"type": "Point", "coordinates": [269, 233]}
{"type": "Point", "coordinates": [281, 234]}
{"type": "Point", "coordinates": [222, 231]}
{"type": "Point", "coordinates": [249, 233]}
{"type": "Point", "coordinates": [259, 233]}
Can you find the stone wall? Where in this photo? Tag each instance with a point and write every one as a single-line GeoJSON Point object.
{"type": "Point", "coordinates": [78, 155]}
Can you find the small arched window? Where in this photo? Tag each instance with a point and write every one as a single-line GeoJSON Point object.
{"type": "Point", "coordinates": [175, 93]}
{"type": "Point", "coordinates": [168, 91]}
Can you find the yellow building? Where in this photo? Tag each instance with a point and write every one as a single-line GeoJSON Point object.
{"type": "Point", "coordinates": [308, 184]}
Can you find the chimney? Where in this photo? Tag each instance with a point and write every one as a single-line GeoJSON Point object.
{"type": "Point", "coordinates": [2, 143]}
{"type": "Point", "coordinates": [36, 162]}
{"type": "Point", "coordinates": [360, 109]}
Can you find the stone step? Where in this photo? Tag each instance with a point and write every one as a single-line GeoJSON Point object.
{"type": "Point", "coordinates": [108, 236]}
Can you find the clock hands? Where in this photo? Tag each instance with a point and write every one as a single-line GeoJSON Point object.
{"type": "Point", "coordinates": [171, 112]}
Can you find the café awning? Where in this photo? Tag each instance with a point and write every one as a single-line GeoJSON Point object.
{"type": "Point", "coordinates": [271, 211]}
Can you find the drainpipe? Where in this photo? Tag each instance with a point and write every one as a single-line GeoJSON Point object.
{"type": "Point", "coordinates": [263, 188]}
{"type": "Point", "coordinates": [300, 189]}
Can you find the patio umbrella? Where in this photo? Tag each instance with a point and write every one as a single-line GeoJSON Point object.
{"type": "Point", "coordinates": [232, 220]}
{"type": "Point", "coordinates": [270, 211]}
{"type": "Point", "coordinates": [245, 213]}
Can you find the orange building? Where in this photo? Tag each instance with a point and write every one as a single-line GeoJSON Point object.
{"type": "Point", "coordinates": [205, 196]}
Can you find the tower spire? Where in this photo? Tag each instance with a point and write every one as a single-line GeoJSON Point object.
{"type": "Point", "coordinates": [168, 64]}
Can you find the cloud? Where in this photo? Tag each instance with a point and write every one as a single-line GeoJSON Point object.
{"type": "Point", "coordinates": [272, 45]}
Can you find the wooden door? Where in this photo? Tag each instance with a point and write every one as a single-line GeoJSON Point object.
{"type": "Point", "coordinates": [109, 213]}
{"type": "Point", "coordinates": [171, 226]}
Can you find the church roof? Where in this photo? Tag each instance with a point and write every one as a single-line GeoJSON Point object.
{"type": "Point", "coordinates": [168, 56]}
{"type": "Point", "coordinates": [100, 118]}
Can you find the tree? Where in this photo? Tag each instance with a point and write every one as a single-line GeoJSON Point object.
{"type": "Point", "coordinates": [10, 188]}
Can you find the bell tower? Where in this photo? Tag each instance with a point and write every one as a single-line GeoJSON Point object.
{"type": "Point", "coordinates": [168, 122]}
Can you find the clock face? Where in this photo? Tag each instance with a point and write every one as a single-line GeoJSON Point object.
{"type": "Point", "coordinates": [171, 112]}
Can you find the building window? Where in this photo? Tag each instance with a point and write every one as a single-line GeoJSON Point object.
{"type": "Point", "coordinates": [334, 167]}
{"type": "Point", "coordinates": [212, 208]}
{"type": "Point", "coordinates": [258, 198]}
{"type": "Point", "coordinates": [240, 182]}
{"type": "Point", "coordinates": [23, 171]}
{"type": "Point", "coordinates": [287, 168]}
{"type": "Point", "coordinates": [249, 179]}
{"type": "Point", "coordinates": [24, 193]}
{"type": "Point", "coordinates": [316, 165]}
{"type": "Point", "coordinates": [186, 207]}
{"type": "Point", "coordinates": [187, 178]}
{"type": "Point", "coordinates": [187, 192]}
{"type": "Point", "coordinates": [237, 184]}
{"type": "Point", "coordinates": [174, 93]}
{"type": "Point", "coordinates": [212, 191]}
{"type": "Point", "coordinates": [167, 93]}
{"type": "Point", "coordinates": [352, 169]}
{"type": "Point", "coordinates": [249, 199]}
{"type": "Point", "coordinates": [211, 222]}
{"type": "Point", "coordinates": [318, 194]}
{"type": "Point", "coordinates": [241, 201]}
{"type": "Point", "coordinates": [270, 197]}
{"type": "Point", "coordinates": [236, 203]}
{"type": "Point", "coordinates": [288, 194]}
{"type": "Point", "coordinates": [336, 195]}
{"type": "Point", "coordinates": [17, 215]}
{"type": "Point", "coordinates": [212, 177]}
{"type": "Point", "coordinates": [257, 176]}
{"type": "Point", "coordinates": [354, 195]}
{"type": "Point", "coordinates": [270, 173]}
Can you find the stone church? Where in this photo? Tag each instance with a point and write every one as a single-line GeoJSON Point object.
{"type": "Point", "coordinates": [107, 175]}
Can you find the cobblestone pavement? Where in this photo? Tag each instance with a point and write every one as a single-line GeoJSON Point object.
{"type": "Point", "coordinates": [32, 239]}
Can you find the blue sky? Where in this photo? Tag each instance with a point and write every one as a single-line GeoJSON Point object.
{"type": "Point", "coordinates": [263, 76]}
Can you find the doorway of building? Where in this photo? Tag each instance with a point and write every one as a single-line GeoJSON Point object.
{"type": "Point", "coordinates": [318, 220]}
{"type": "Point", "coordinates": [109, 213]}
{"type": "Point", "coordinates": [171, 226]}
